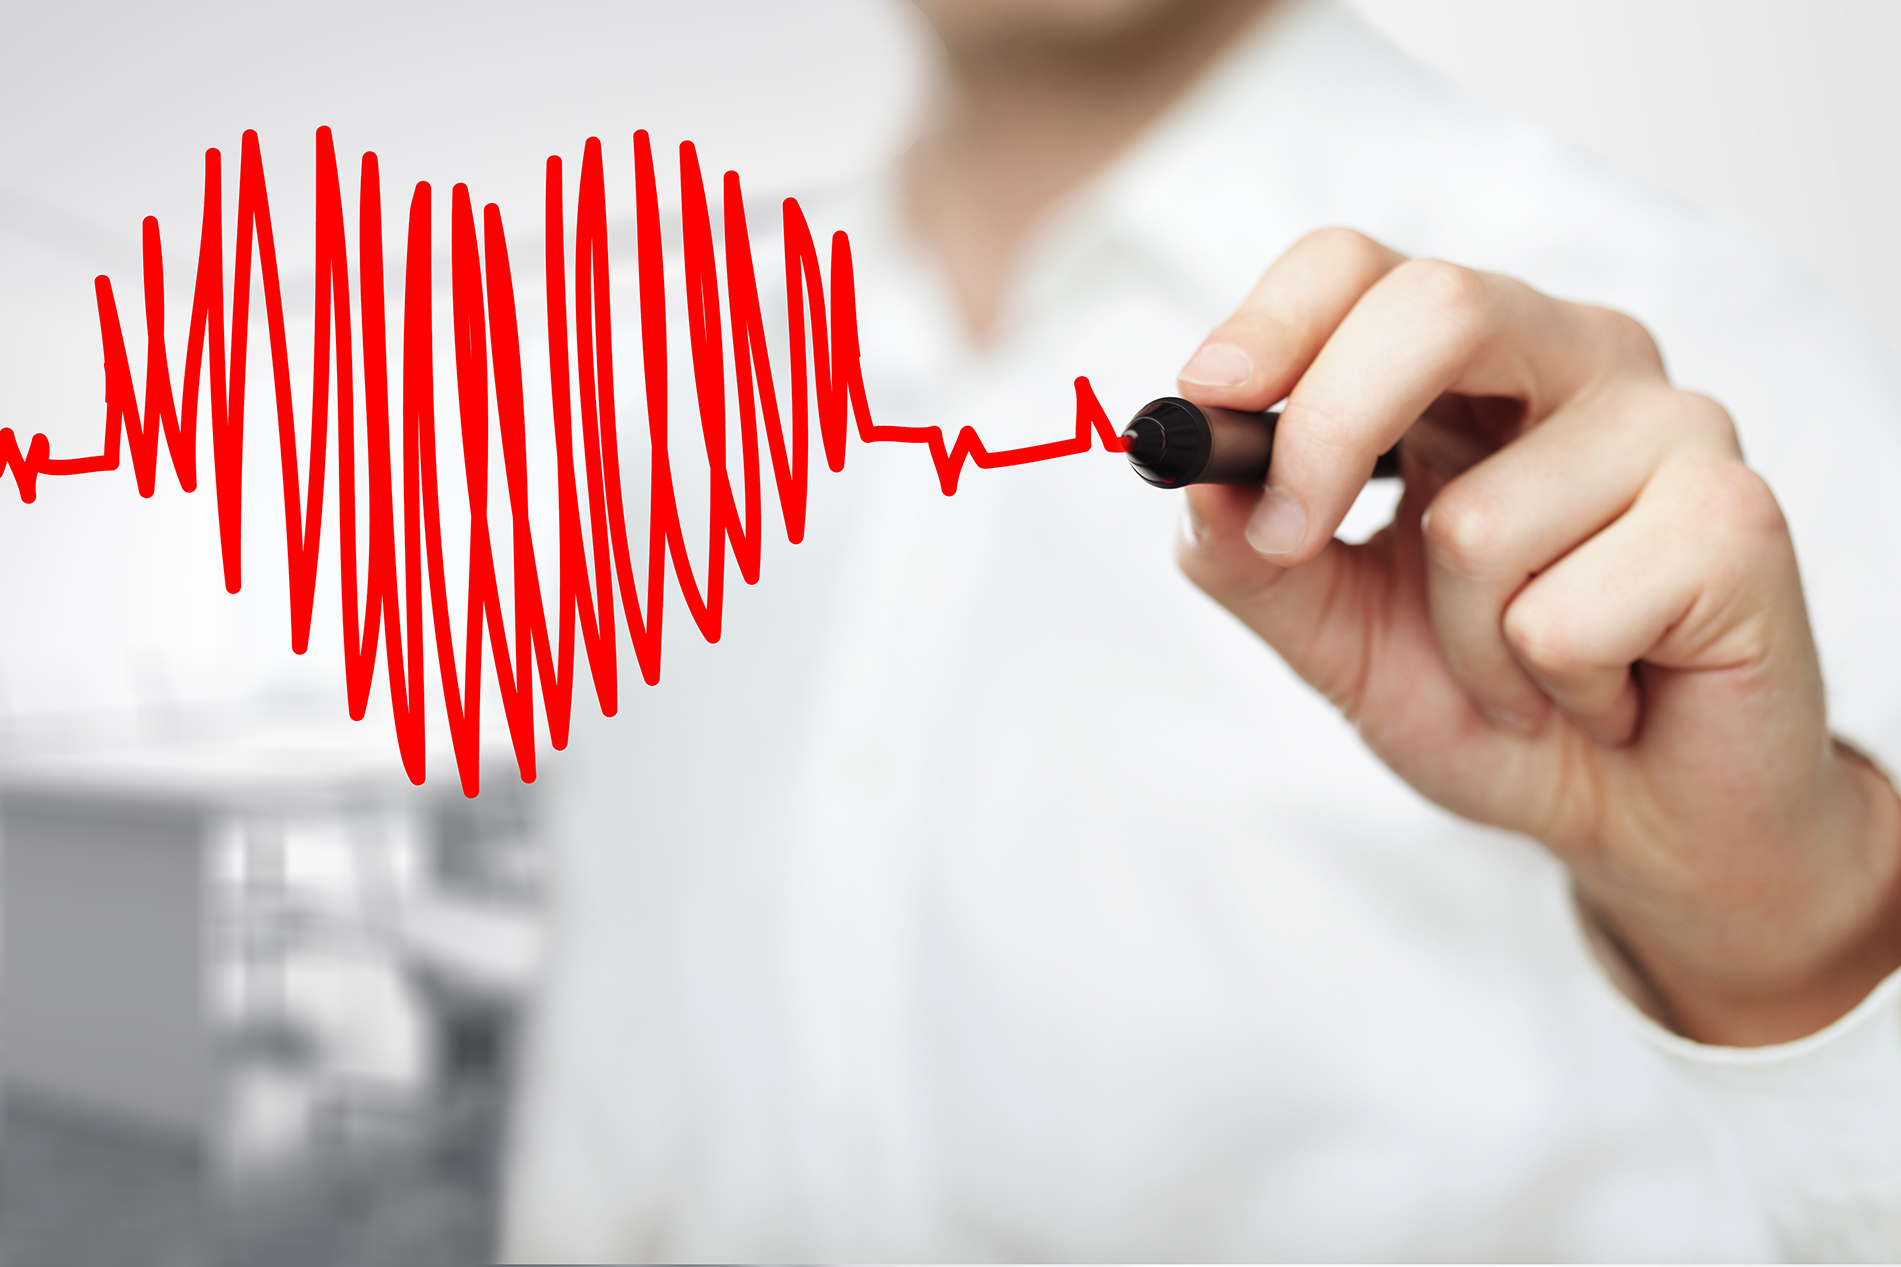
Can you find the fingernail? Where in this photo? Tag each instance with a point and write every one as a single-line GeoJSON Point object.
{"type": "Point", "coordinates": [1278, 524]}
{"type": "Point", "coordinates": [1507, 719]}
{"type": "Point", "coordinates": [1217, 365]}
{"type": "Point", "coordinates": [1192, 525]}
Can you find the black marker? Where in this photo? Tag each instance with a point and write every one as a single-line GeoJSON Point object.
{"type": "Point", "coordinates": [1173, 442]}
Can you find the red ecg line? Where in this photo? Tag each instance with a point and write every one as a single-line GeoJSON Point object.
{"type": "Point", "coordinates": [593, 557]}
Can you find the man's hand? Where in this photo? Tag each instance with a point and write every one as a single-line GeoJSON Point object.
{"type": "Point", "coordinates": [1584, 622]}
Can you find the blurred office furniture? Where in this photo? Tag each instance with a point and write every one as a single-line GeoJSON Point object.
{"type": "Point", "coordinates": [252, 954]}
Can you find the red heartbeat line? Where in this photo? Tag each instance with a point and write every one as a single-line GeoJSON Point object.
{"type": "Point", "coordinates": [593, 554]}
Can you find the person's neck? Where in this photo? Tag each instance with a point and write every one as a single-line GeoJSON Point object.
{"type": "Point", "coordinates": [1017, 127]}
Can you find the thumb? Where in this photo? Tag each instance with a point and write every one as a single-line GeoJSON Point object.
{"type": "Point", "coordinates": [1322, 616]}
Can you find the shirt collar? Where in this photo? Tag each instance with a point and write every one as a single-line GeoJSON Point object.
{"type": "Point", "coordinates": [1291, 125]}
{"type": "Point", "coordinates": [1245, 161]}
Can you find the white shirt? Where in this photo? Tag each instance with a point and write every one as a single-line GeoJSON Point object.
{"type": "Point", "coordinates": [987, 891]}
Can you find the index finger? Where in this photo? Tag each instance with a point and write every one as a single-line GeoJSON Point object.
{"type": "Point", "coordinates": [1424, 329]}
{"type": "Point", "coordinates": [1255, 357]}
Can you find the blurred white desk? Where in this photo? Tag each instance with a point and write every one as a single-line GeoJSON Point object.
{"type": "Point", "coordinates": [106, 836]}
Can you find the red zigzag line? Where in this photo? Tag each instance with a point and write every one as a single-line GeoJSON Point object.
{"type": "Point", "coordinates": [593, 555]}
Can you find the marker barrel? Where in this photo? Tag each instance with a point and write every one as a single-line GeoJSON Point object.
{"type": "Point", "coordinates": [1174, 442]}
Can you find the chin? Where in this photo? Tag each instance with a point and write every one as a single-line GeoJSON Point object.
{"type": "Point", "coordinates": [1043, 21]}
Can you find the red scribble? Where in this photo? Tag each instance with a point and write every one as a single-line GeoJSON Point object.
{"type": "Point", "coordinates": [593, 556]}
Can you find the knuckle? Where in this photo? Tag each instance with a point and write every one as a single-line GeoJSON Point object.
{"type": "Point", "coordinates": [1741, 502]}
{"type": "Point", "coordinates": [1446, 287]}
{"type": "Point", "coordinates": [1704, 420]}
{"type": "Point", "coordinates": [1346, 247]}
{"type": "Point", "coordinates": [1628, 339]}
{"type": "Point", "coordinates": [1731, 505]}
{"type": "Point", "coordinates": [1543, 642]}
{"type": "Point", "coordinates": [1462, 531]}
{"type": "Point", "coordinates": [1270, 322]}
{"type": "Point", "coordinates": [1321, 418]}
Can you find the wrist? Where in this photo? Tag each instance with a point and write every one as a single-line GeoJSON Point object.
{"type": "Point", "coordinates": [1808, 945]}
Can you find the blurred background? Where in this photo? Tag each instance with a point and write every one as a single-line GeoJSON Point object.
{"type": "Point", "coordinates": [260, 995]}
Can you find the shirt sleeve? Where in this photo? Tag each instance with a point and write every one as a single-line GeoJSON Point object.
{"type": "Point", "coordinates": [1812, 1128]}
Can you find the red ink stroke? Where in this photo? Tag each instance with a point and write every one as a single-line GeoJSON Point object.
{"type": "Point", "coordinates": [592, 555]}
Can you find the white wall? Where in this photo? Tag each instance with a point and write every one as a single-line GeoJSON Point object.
{"type": "Point", "coordinates": [108, 107]}
{"type": "Point", "coordinates": [1784, 115]}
